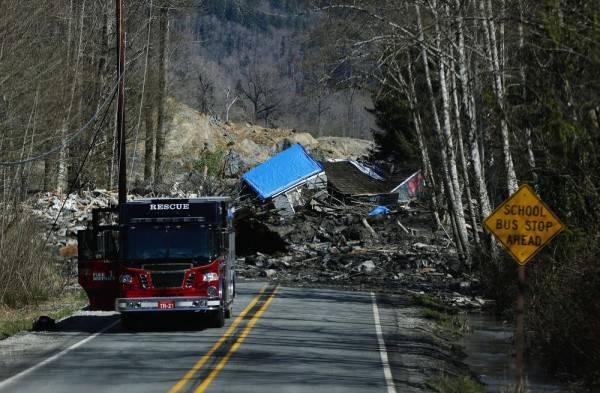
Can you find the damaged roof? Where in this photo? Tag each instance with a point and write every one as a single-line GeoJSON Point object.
{"type": "Point", "coordinates": [352, 178]}
{"type": "Point", "coordinates": [347, 179]}
{"type": "Point", "coordinates": [281, 172]}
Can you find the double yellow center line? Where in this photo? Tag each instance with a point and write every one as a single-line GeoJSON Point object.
{"type": "Point", "coordinates": [236, 345]}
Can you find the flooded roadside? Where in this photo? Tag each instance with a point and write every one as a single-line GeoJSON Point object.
{"type": "Point", "coordinates": [490, 355]}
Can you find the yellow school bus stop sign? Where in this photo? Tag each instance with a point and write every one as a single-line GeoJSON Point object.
{"type": "Point", "coordinates": [523, 224]}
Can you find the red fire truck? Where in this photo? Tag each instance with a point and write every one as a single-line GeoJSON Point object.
{"type": "Point", "coordinates": [159, 256]}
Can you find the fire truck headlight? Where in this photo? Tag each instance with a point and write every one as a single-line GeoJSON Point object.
{"type": "Point", "coordinates": [212, 291]}
{"type": "Point", "coordinates": [126, 279]}
{"type": "Point", "coordinates": [210, 277]}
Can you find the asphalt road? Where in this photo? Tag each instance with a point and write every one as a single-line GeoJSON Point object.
{"type": "Point", "coordinates": [279, 340]}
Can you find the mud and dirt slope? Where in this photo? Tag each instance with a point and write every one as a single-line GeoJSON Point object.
{"type": "Point", "coordinates": [189, 133]}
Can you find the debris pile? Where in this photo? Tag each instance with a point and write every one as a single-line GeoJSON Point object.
{"type": "Point", "coordinates": [75, 214]}
{"type": "Point", "coordinates": [330, 243]}
{"type": "Point", "coordinates": [296, 226]}
{"type": "Point", "coordinates": [354, 228]}
{"type": "Point", "coordinates": [62, 225]}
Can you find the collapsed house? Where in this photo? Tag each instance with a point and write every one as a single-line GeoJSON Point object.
{"type": "Point", "coordinates": [352, 180]}
{"type": "Point", "coordinates": [287, 179]}
{"type": "Point", "coordinates": [292, 177]}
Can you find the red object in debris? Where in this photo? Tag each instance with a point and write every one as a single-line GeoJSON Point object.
{"type": "Point", "coordinates": [415, 185]}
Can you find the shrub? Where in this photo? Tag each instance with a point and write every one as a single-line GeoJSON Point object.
{"type": "Point", "coordinates": [564, 310]}
{"type": "Point", "coordinates": [29, 273]}
{"type": "Point", "coordinates": [211, 162]}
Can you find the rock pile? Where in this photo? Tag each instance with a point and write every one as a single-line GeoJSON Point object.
{"type": "Point", "coordinates": [75, 215]}
{"type": "Point", "coordinates": [77, 211]}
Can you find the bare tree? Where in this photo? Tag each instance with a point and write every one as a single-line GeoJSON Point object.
{"type": "Point", "coordinates": [63, 175]}
{"type": "Point", "coordinates": [444, 136]}
{"type": "Point", "coordinates": [259, 88]}
{"type": "Point", "coordinates": [469, 111]}
{"type": "Point", "coordinates": [493, 59]}
{"type": "Point", "coordinates": [148, 143]}
{"type": "Point", "coordinates": [230, 100]}
{"type": "Point", "coordinates": [161, 97]}
{"type": "Point", "coordinates": [206, 94]}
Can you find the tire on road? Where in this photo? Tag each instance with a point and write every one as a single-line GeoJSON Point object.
{"type": "Point", "coordinates": [130, 321]}
{"type": "Point", "coordinates": [217, 318]}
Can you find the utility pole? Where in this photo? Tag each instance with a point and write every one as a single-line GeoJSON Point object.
{"type": "Point", "coordinates": [121, 145]}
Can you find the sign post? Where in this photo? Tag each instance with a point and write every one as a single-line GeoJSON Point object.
{"type": "Point", "coordinates": [523, 224]}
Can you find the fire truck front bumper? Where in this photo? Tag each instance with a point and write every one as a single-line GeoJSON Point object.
{"type": "Point", "coordinates": [166, 304]}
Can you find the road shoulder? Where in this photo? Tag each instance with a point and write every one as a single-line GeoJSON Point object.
{"type": "Point", "coordinates": [418, 354]}
{"type": "Point", "coordinates": [26, 349]}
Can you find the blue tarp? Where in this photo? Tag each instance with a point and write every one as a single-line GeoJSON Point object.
{"type": "Point", "coordinates": [288, 168]}
{"type": "Point", "coordinates": [379, 211]}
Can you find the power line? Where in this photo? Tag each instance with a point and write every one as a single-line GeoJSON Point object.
{"type": "Point", "coordinates": [71, 138]}
{"type": "Point", "coordinates": [80, 169]}
{"type": "Point", "coordinates": [139, 120]}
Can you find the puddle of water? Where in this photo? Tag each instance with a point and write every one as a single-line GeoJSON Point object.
{"type": "Point", "coordinates": [490, 354]}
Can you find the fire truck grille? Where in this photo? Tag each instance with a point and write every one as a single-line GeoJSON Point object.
{"type": "Point", "coordinates": [168, 280]}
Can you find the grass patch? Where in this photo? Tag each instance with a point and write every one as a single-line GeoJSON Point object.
{"type": "Point", "coordinates": [455, 324]}
{"type": "Point", "coordinates": [448, 384]}
{"type": "Point", "coordinates": [13, 321]}
{"type": "Point", "coordinates": [432, 303]}
{"type": "Point", "coordinates": [449, 319]}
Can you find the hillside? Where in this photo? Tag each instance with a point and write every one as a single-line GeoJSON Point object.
{"type": "Point", "coordinates": [189, 133]}
{"type": "Point", "coordinates": [268, 55]}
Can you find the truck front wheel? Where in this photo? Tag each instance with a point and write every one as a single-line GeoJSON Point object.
{"type": "Point", "coordinates": [129, 321]}
{"type": "Point", "coordinates": [217, 318]}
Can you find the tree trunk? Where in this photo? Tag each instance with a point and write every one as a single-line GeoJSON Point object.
{"type": "Point", "coordinates": [62, 173]}
{"type": "Point", "coordinates": [49, 165]}
{"type": "Point", "coordinates": [448, 164]}
{"type": "Point", "coordinates": [469, 109]}
{"type": "Point", "coordinates": [148, 142]}
{"type": "Point", "coordinates": [27, 174]}
{"type": "Point", "coordinates": [425, 161]}
{"type": "Point", "coordinates": [162, 95]}
{"type": "Point", "coordinates": [528, 142]}
{"type": "Point", "coordinates": [148, 145]}
{"type": "Point", "coordinates": [107, 134]}
{"type": "Point", "coordinates": [463, 161]}
{"type": "Point", "coordinates": [490, 33]}
{"type": "Point", "coordinates": [459, 213]}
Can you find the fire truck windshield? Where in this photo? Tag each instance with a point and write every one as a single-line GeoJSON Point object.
{"type": "Point", "coordinates": [186, 241]}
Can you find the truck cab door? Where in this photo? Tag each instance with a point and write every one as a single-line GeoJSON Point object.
{"type": "Point", "coordinates": [97, 267]}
